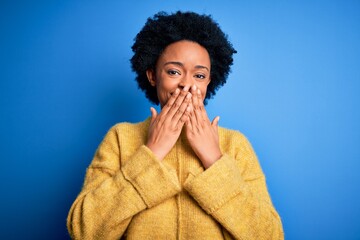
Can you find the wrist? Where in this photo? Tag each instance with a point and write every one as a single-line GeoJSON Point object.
{"type": "Point", "coordinates": [211, 159]}
{"type": "Point", "coordinates": [158, 153]}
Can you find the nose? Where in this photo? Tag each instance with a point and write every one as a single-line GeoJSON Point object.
{"type": "Point", "coordinates": [186, 80]}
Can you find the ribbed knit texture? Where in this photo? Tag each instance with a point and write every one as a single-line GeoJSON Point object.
{"type": "Point", "coordinates": [129, 193]}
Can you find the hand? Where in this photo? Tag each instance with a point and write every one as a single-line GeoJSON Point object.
{"type": "Point", "coordinates": [202, 134]}
{"type": "Point", "coordinates": [166, 127]}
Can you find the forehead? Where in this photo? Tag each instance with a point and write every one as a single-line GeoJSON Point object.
{"type": "Point", "coordinates": [186, 52]}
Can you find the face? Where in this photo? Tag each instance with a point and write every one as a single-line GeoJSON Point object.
{"type": "Point", "coordinates": [183, 63]}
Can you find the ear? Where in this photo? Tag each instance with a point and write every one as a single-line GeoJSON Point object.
{"type": "Point", "coordinates": [151, 77]}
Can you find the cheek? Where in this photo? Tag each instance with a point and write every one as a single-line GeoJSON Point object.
{"type": "Point", "coordinates": [168, 86]}
{"type": "Point", "coordinates": [203, 95]}
{"type": "Point", "coordinates": [203, 89]}
{"type": "Point", "coordinates": [164, 90]}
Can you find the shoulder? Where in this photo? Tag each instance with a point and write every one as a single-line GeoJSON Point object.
{"type": "Point", "coordinates": [231, 136]}
{"type": "Point", "coordinates": [128, 128]}
{"type": "Point", "coordinates": [129, 135]}
{"type": "Point", "coordinates": [234, 142]}
{"type": "Point", "coordinates": [126, 132]}
{"type": "Point", "coordinates": [120, 141]}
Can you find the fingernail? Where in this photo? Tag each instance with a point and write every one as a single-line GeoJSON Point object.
{"type": "Point", "coordinates": [177, 91]}
{"type": "Point", "coordinates": [186, 88]}
{"type": "Point", "coordinates": [198, 91]}
{"type": "Point", "coordinates": [188, 95]}
{"type": "Point", "coordinates": [194, 87]}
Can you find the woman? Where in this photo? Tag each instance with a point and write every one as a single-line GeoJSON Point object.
{"type": "Point", "coordinates": [177, 175]}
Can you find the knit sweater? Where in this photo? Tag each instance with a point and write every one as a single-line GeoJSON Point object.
{"type": "Point", "coordinates": [129, 193]}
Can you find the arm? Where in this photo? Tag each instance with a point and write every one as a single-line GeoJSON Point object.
{"type": "Point", "coordinates": [112, 194]}
{"type": "Point", "coordinates": [234, 192]}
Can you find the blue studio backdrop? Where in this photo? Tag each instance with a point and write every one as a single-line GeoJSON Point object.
{"type": "Point", "coordinates": [65, 79]}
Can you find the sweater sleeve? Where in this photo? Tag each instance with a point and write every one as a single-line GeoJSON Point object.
{"type": "Point", "coordinates": [234, 192]}
{"type": "Point", "coordinates": [113, 194]}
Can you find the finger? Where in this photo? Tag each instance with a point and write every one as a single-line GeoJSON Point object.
{"type": "Point", "coordinates": [184, 118]}
{"type": "Point", "coordinates": [201, 106]}
{"type": "Point", "coordinates": [192, 118]}
{"type": "Point", "coordinates": [199, 118]}
{"type": "Point", "coordinates": [182, 109]}
{"type": "Point", "coordinates": [195, 98]}
{"type": "Point", "coordinates": [196, 108]}
{"type": "Point", "coordinates": [188, 121]}
{"type": "Point", "coordinates": [153, 114]}
{"type": "Point", "coordinates": [170, 102]}
{"type": "Point", "coordinates": [177, 104]}
{"type": "Point", "coordinates": [215, 122]}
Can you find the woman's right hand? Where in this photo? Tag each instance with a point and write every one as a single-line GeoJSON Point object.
{"type": "Point", "coordinates": [165, 128]}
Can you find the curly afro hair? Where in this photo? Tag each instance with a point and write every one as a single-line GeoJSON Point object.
{"type": "Point", "coordinates": [164, 29]}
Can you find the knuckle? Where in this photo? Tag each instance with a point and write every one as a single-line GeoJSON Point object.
{"type": "Point", "coordinates": [183, 93]}
{"type": "Point", "coordinates": [197, 130]}
{"type": "Point", "coordinates": [176, 104]}
{"type": "Point", "coordinates": [174, 129]}
{"type": "Point", "coordinates": [180, 111]}
{"type": "Point", "coordinates": [169, 104]}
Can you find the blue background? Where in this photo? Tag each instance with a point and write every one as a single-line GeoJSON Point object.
{"type": "Point", "coordinates": [65, 79]}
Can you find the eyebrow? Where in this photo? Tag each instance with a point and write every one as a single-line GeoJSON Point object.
{"type": "Point", "coordinates": [182, 65]}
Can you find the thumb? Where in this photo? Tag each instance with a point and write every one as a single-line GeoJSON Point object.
{"type": "Point", "coordinates": [215, 122]}
{"type": "Point", "coordinates": [153, 114]}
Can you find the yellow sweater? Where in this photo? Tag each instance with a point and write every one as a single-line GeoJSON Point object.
{"type": "Point", "coordinates": [129, 193]}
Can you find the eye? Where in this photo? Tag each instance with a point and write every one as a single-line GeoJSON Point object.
{"type": "Point", "coordinates": [200, 76]}
{"type": "Point", "coordinates": [173, 72]}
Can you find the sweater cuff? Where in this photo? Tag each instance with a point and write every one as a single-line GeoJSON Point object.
{"type": "Point", "coordinates": [151, 179]}
{"type": "Point", "coordinates": [217, 185]}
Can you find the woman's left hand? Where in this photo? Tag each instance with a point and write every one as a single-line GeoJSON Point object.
{"type": "Point", "coordinates": [202, 134]}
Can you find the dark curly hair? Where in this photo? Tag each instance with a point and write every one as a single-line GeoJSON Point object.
{"type": "Point", "coordinates": [164, 29]}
